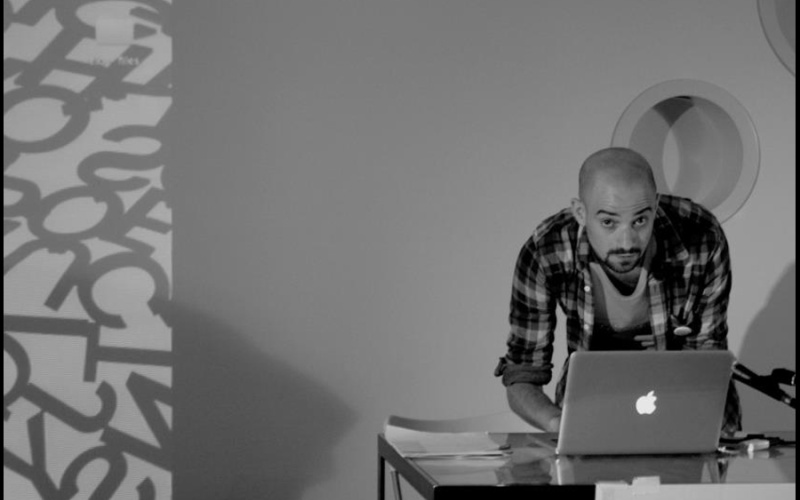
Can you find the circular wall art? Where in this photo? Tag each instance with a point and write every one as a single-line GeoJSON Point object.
{"type": "Point", "coordinates": [779, 20]}
{"type": "Point", "coordinates": [699, 140]}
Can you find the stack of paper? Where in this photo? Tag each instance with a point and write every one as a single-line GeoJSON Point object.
{"type": "Point", "coordinates": [416, 444]}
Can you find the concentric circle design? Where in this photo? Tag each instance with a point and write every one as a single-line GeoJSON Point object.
{"type": "Point", "coordinates": [699, 139]}
{"type": "Point", "coordinates": [779, 20]}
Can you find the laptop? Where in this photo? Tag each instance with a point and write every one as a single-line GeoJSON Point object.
{"type": "Point", "coordinates": [644, 402]}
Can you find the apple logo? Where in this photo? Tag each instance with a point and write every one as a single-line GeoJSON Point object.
{"type": "Point", "coordinates": [646, 404]}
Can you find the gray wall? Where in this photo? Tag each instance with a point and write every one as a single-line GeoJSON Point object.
{"type": "Point", "coordinates": [351, 183]}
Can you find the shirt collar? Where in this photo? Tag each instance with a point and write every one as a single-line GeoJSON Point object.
{"type": "Point", "coordinates": [584, 249]}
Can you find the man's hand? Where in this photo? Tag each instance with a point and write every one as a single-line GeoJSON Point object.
{"type": "Point", "coordinates": [531, 403]}
{"type": "Point", "coordinates": [554, 425]}
{"type": "Point", "coordinates": [647, 341]}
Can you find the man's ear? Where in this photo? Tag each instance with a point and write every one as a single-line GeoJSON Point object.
{"type": "Point", "coordinates": [579, 211]}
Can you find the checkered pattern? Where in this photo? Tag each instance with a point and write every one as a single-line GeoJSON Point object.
{"type": "Point", "coordinates": [689, 285]}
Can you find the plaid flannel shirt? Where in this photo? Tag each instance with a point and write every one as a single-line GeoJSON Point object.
{"type": "Point", "coordinates": [689, 285]}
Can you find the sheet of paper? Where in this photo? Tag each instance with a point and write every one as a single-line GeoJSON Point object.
{"type": "Point", "coordinates": [413, 444]}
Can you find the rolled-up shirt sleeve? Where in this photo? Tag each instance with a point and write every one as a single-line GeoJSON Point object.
{"type": "Point", "coordinates": [532, 320]}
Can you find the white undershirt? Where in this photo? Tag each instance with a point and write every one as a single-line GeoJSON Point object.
{"type": "Point", "coordinates": [622, 311]}
{"type": "Point", "coordinates": [612, 308]}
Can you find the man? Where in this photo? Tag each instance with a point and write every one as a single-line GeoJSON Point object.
{"type": "Point", "coordinates": [630, 269]}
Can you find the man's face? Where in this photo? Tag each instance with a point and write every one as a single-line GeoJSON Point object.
{"type": "Point", "coordinates": [618, 219]}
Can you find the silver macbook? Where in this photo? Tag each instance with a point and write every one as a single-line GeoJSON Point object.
{"type": "Point", "coordinates": [644, 402]}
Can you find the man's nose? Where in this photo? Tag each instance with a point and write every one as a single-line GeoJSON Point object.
{"type": "Point", "coordinates": [628, 238]}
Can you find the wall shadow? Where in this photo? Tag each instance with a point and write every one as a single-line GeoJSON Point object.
{"type": "Point", "coordinates": [246, 425]}
{"type": "Point", "coordinates": [770, 343]}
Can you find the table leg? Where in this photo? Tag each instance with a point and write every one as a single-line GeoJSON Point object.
{"type": "Point", "coordinates": [381, 478]}
{"type": "Point", "coordinates": [398, 495]}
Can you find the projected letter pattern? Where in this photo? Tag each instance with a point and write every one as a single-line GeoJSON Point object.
{"type": "Point", "coordinates": [87, 366]}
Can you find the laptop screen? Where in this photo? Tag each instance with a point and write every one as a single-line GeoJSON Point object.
{"type": "Point", "coordinates": [644, 402]}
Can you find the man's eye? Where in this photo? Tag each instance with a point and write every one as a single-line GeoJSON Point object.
{"type": "Point", "coordinates": [641, 221]}
{"type": "Point", "coordinates": [607, 223]}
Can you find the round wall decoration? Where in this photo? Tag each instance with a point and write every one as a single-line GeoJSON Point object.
{"type": "Point", "coordinates": [779, 20]}
{"type": "Point", "coordinates": [699, 140]}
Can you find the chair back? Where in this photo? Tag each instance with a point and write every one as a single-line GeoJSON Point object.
{"type": "Point", "coordinates": [500, 422]}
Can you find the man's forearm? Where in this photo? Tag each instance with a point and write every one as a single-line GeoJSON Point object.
{"type": "Point", "coordinates": [531, 403]}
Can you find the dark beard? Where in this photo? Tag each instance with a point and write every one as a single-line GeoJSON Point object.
{"type": "Point", "coordinates": [617, 268]}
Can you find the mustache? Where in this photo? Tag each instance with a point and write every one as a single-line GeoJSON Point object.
{"type": "Point", "coordinates": [625, 251]}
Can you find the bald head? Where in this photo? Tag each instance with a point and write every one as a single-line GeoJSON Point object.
{"type": "Point", "coordinates": [620, 166]}
{"type": "Point", "coordinates": [617, 208]}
